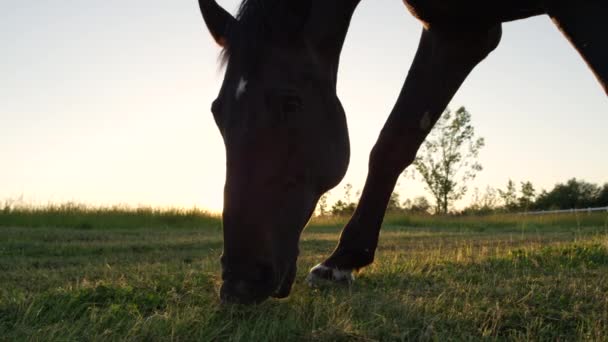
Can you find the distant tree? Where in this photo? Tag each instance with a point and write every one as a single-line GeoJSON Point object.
{"type": "Point", "coordinates": [483, 204]}
{"type": "Point", "coordinates": [573, 194]}
{"type": "Point", "coordinates": [448, 158]}
{"type": "Point", "coordinates": [420, 205]}
{"type": "Point", "coordinates": [407, 204]}
{"type": "Point", "coordinates": [338, 208]}
{"type": "Point", "coordinates": [345, 206]}
{"type": "Point", "coordinates": [475, 204]}
{"type": "Point", "coordinates": [527, 195]}
{"type": "Point", "coordinates": [342, 208]}
{"type": "Point", "coordinates": [347, 192]}
{"type": "Point", "coordinates": [509, 196]}
{"type": "Point", "coordinates": [602, 198]}
{"type": "Point", "coordinates": [542, 201]}
{"type": "Point", "coordinates": [322, 205]}
{"type": "Point", "coordinates": [489, 200]}
{"type": "Point", "coordinates": [393, 203]}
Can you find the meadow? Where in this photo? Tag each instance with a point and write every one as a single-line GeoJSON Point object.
{"type": "Point", "coordinates": [73, 273]}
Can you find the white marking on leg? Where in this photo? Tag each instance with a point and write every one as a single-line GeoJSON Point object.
{"type": "Point", "coordinates": [425, 123]}
{"type": "Point", "coordinates": [241, 88]}
{"type": "Point", "coordinates": [342, 275]}
{"type": "Point", "coordinates": [337, 275]}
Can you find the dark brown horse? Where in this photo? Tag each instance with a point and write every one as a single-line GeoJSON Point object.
{"type": "Point", "coordinates": [284, 131]}
{"type": "Point", "coordinates": [284, 128]}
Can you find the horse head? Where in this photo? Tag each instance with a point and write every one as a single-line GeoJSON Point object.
{"type": "Point", "coordinates": [284, 132]}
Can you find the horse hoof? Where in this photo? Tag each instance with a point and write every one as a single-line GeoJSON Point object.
{"type": "Point", "coordinates": [321, 273]}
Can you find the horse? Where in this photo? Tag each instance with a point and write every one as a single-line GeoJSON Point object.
{"type": "Point", "coordinates": [285, 132]}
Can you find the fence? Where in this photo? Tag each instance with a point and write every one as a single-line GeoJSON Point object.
{"type": "Point", "coordinates": [586, 210]}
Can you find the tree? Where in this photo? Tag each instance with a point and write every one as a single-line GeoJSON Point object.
{"type": "Point", "coordinates": [602, 198]}
{"type": "Point", "coordinates": [489, 201]}
{"type": "Point", "coordinates": [483, 204]}
{"type": "Point", "coordinates": [574, 194]}
{"type": "Point", "coordinates": [527, 195]}
{"type": "Point", "coordinates": [344, 207]}
{"type": "Point", "coordinates": [322, 206]}
{"type": "Point", "coordinates": [509, 196]}
{"type": "Point", "coordinates": [448, 158]}
{"type": "Point", "coordinates": [420, 205]}
{"type": "Point", "coordinates": [347, 190]}
{"type": "Point", "coordinates": [393, 203]}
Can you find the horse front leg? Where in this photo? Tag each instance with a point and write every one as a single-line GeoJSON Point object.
{"type": "Point", "coordinates": [443, 61]}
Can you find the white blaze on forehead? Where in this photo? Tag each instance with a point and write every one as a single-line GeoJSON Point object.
{"type": "Point", "coordinates": [425, 123]}
{"type": "Point", "coordinates": [241, 88]}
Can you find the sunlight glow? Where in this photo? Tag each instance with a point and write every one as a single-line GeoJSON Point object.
{"type": "Point", "coordinates": [103, 108]}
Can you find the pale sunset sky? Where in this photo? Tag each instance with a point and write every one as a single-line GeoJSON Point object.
{"type": "Point", "coordinates": [107, 102]}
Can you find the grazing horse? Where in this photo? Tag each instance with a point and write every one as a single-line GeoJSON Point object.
{"type": "Point", "coordinates": [285, 132]}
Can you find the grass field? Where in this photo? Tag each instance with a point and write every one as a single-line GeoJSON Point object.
{"type": "Point", "coordinates": [70, 273]}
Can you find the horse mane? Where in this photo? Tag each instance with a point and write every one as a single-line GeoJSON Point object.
{"type": "Point", "coordinates": [259, 21]}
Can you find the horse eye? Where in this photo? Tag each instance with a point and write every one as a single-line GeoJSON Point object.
{"type": "Point", "coordinates": [291, 104]}
{"type": "Point", "coordinates": [282, 103]}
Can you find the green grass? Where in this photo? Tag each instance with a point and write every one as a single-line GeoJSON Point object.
{"type": "Point", "coordinates": [79, 216]}
{"type": "Point", "coordinates": [72, 273]}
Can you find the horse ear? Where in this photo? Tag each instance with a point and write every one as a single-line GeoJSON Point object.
{"type": "Point", "coordinates": [217, 19]}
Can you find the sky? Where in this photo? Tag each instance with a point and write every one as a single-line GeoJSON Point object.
{"type": "Point", "coordinates": [107, 102]}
